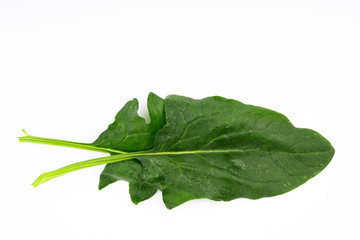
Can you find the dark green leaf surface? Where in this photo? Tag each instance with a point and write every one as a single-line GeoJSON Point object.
{"type": "Point", "coordinates": [221, 149]}
{"type": "Point", "coordinates": [129, 132]}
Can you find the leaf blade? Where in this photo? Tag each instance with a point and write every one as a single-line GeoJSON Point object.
{"type": "Point", "coordinates": [262, 136]}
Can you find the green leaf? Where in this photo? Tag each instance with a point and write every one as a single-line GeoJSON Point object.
{"type": "Point", "coordinates": [129, 132]}
{"type": "Point", "coordinates": [212, 148]}
{"type": "Point", "coordinates": [221, 149]}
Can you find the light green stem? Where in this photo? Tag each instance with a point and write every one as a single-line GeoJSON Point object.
{"type": "Point", "coordinates": [80, 165]}
{"type": "Point", "coordinates": [109, 159]}
{"type": "Point", "coordinates": [120, 156]}
{"type": "Point", "coordinates": [57, 142]}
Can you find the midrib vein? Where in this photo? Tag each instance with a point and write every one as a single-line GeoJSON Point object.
{"type": "Point", "coordinates": [149, 153]}
{"type": "Point", "coordinates": [91, 147]}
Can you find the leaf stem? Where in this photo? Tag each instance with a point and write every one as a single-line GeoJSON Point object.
{"type": "Point", "coordinates": [80, 165]}
{"type": "Point", "coordinates": [64, 143]}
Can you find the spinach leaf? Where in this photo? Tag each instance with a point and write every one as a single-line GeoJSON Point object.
{"type": "Point", "coordinates": [213, 148]}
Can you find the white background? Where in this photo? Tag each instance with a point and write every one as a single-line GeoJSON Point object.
{"type": "Point", "coordinates": [67, 67]}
